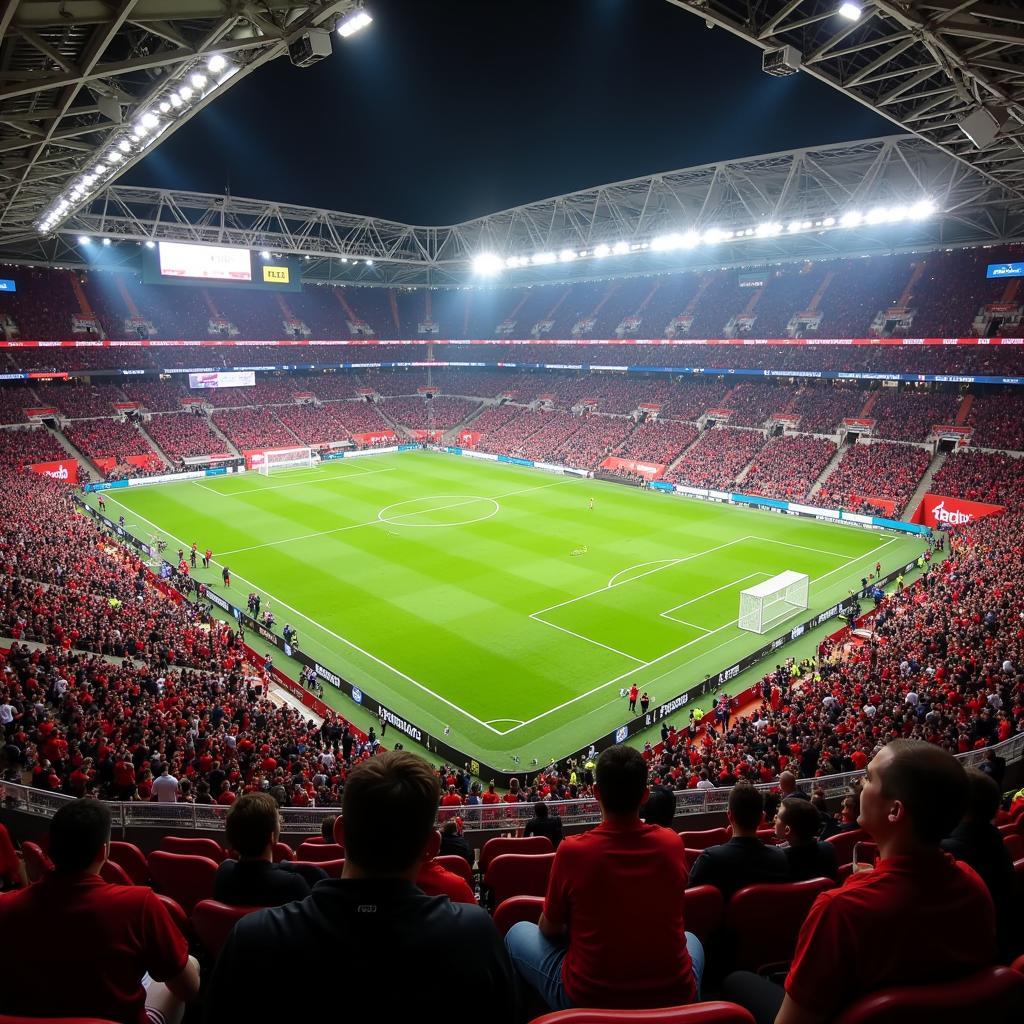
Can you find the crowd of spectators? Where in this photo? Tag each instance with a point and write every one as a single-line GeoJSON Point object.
{"type": "Point", "coordinates": [439, 413]}
{"type": "Point", "coordinates": [787, 467]}
{"type": "Point", "coordinates": [822, 409]}
{"type": "Point", "coordinates": [107, 438]}
{"type": "Point", "coordinates": [752, 404]}
{"type": "Point", "coordinates": [998, 421]}
{"type": "Point", "coordinates": [993, 477]}
{"type": "Point", "coordinates": [255, 428]}
{"type": "Point", "coordinates": [910, 415]}
{"type": "Point", "coordinates": [661, 441]}
{"type": "Point", "coordinates": [595, 437]}
{"type": "Point", "coordinates": [313, 424]}
{"type": "Point", "coordinates": [881, 469]}
{"type": "Point", "coordinates": [13, 403]}
{"type": "Point", "coordinates": [22, 445]}
{"type": "Point", "coordinates": [184, 435]}
{"type": "Point", "coordinates": [717, 458]}
{"type": "Point", "coordinates": [79, 400]}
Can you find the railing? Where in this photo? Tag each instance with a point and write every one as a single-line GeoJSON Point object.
{"type": "Point", "coordinates": [490, 817]}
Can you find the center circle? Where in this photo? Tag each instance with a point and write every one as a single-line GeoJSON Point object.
{"type": "Point", "coordinates": [443, 509]}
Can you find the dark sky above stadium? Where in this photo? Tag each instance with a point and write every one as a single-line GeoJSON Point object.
{"type": "Point", "coordinates": [444, 110]}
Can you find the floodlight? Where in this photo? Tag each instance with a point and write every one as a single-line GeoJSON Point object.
{"type": "Point", "coordinates": [487, 263]}
{"type": "Point", "coordinates": [851, 10]}
{"type": "Point", "coordinates": [150, 244]}
{"type": "Point", "coordinates": [566, 255]}
{"type": "Point", "coordinates": [769, 230]}
{"type": "Point", "coordinates": [125, 146]}
{"type": "Point", "coordinates": [369, 263]}
{"type": "Point", "coordinates": [89, 179]}
{"type": "Point", "coordinates": [851, 219]}
{"type": "Point", "coordinates": [620, 248]}
{"type": "Point", "coordinates": [106, 241]}
{"type": "Point", "coordinates": [100, 169]}
{"type": "Point", "coordinates": [113, 157]}
{"type": "Point", "coordinates": [921, 209]}
{"type": "Point", "coordinates": [877, 215]}
{"type": "Point", "coordinates": [264, 255]}
{"type": "Point", "coordinates": [666, 243]}
{"type": "Point", "coordinates": [185, 93]}
{"type": "Point", "coordinates": [897, 213]}
{"type": "Point", "coordinates": [714, 235]}
{"type": "Point", "coordinates": [198, 79]}
{"type": "Point", "coordinates": [150, 120]}
{"type": "Point", "coordinates": [83, 239]}
{"type": "Point", "coordinates": [216, 63]}
{"type": "Point", "coordinates": [793, 226]}
{"type": "Point", "coordinates": [600, 251]}
{"type": "Point", "coordinates": [175, 100]}
{"type": "Point", "coordinates": [165, 107]}
{"type": "Point", "coordinates": [353, 23]}
{"type": "Point", "coordinates": [543, 258]}
{"type": "Point", "coordinates": [828, 222]}
{"type": "Point", "coordinates": [138, 132]}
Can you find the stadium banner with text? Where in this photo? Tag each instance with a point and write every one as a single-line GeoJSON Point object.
{"type": "Point", "coordinates": [648, 470]}
{"type": "Point", "coordinates": [1005, 270]}
{"type": "Point", "coordinates": [374, 438]}
{"type": "Point", "coordinates": [224, 379]}
{"type": "Point", "coordinates": [218, 266]}
{"type": "Point", "coordinates": [164, 478]}
{"type": "Point", "coordinates": [938, 510]}
{"type": "Point", "coordinates": [469, 438]}
{"type": "Point", "coordinates": [65, 470]}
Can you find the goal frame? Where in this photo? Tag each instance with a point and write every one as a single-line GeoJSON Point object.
{"type": "Point", "coordinates": [285, 458]}
{"type": "Point", "coordinates": [773, 601]}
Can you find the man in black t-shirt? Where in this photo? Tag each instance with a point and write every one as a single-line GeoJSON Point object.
{"type": "Point", "coordinates": [544, 824]}
{"type": "Point", "coordinates": [373, 930]}
{"type": "Point", "coordinates": [797, 823]}
{"type": "Point", "coordinates": [254, 880]}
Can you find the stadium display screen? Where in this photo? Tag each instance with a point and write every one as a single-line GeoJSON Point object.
{"type": "Point", "coordinates": [1005, 270]}
{"type": "Point", "coordinates": [204, 262]}
{"type": "Point", "coordinates": [229, 379]}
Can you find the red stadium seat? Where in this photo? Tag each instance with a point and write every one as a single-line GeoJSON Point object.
{"type": "Point", "coordinates": [1015, 846]}
{"type": "Point", "coordinates": [457, 865]}
{"type": "Point", "coordinates": [196, 847]}
{"type": "Point", "coordinates": [5, 1019]}
{"type": "Point", "coordinates": [518, 874]}
{"type": "Point", "coordinates": [702, 840]}
{"type": "Point", "coordinates": [313, 853]}
{"type": "Point", "coordinates": [844, 842]}
{"type": "Point", "coordinates": [1013, 829]}
{"type": "Point", "coordinates": [766, 920]}
{"type": "Point", "coordinates": [178, 916]}
{"type": "Point", "coordinates": [690, 858]}
{"type": "Point", "coordinates": [333, 868]}
{"type": "Point", "coordinates": [699, 1013]}
{"type": "Point", "coordinates": [501, 845]}
{"type": "Point", "coordinates": [37, 864]}
{"type": "Point", "coordinates": [132, 859]}
{"type": "Point", "coordinates": [111, 871]}
{"type": "Point", "coordinates": [1018, 964]}
{"type": "Point", "coordinates": [282, 851]}
{"type": "Point", "coordinates": [994, 995]}
{"type": "Point", "coordinates": [703, 906]}
{"type": "Point", "coordinates": [182, 876]}
{"type": "Point", "coordinates": [767, 836]}
{"type": "Point", "coordinates": [213, 922]}
{"type": "Point", "coordinates": [516, 909]}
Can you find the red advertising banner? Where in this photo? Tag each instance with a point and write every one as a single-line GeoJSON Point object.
{"type": "Point", "coordinates": [66, 470]}
{"type": "Point", "coordinates": [886, 504]}
{"type": "Point", "coordinates": [941, 509]}
{"type": "Point", "coordinates": [43, 411]}
{"type": "Point", "coordinates": [427, 435]}
{"type": "Point", "coordinates": [648, 470]}
{"type": "Point", "coordinates": [378, 437]}
{"type": "Point", "coordinates": [469, 438]}
{"type": "Point", "coordinates": [104, 465]}
{"type": "Point", "coordinates": [144, 461]}
{"type": "Point", "coordinates": [126, 405]}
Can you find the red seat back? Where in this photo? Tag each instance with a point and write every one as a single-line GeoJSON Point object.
{"type": "Point", "coordinates": [333, 868]}
{"type": "Point", "coordinates": [697, 1013]}
{"type": "Point", "coordinates": [132, 859]}
{"type": "Point", "coordinates": [516, 909]}
{"type": "Point", "coordinates": [1013, 829]}
{"type": "Point", "coordinates": [178, 916]}
{"type": "Point", "coordinates": [690, 858]}
{"type": "Point", "coordinates": [518, 874]}
{"type": "Point", "coordinates": [703, 906]}
{"type": "Point", "coordinates": [37, 864]}
{"type": "Point", "coordinates": [766, 920]}
{"type": "Point", "coordinates": [702, 840]}
{"type": "Point", "coordinates": [182, 876]}
{"type": "Point", "coordinates": [5, 1019]}
{"type": "Point", "coordinates": [994, 995]}
{"type": "Point", "coordinates": [111, 871]}
{"type": "Point", "coordinates": [501, 845]}
{"type": "Point", "coordinates": [196, 847]}
{"type": "Point", "coordinates": [844, 843]}
{"type": "Point", "coordinates": [282, 851]}
{"type": "Point", "coordinates": [313, 853]}
{"type": "Point", "coordinates": [213, 922]}
{"type": "Point", "coordinates": [457, 865]}
{"type": "Point", "coordinates": [767, 836]}
{"type": "Point", "coordinates": [1014, 845]}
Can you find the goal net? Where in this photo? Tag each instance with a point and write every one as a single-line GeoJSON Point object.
{"type": "Point", "coordinates": [768, 603]}
{"type": "Point", "coordinates": [284, 458]}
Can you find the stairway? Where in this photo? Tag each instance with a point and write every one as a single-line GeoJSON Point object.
{"type": "Point", "coordinates": [675, 462]}
{"type": "Point", "coordinates": [742, 474]}
{"type": "Point", "coordinates": [224, 437]}
{"type": "Point", "coordinates": [152, 444]}
{"type": "Point", "coordinates": [964, 411]}
{"type": "Point", "coordinates": [84, 463]}
{"type": "Point", "coordinates": [865, 411]}
{"type": "Point", "coordinates": [298, 440]}
{"type": "Point", "coordinates": [925, 485]}
{"type": "Point", "coordinates": [826, 472]}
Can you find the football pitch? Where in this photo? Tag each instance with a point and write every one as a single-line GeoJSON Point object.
{"type": "Point", "coordinates": [490, 599]}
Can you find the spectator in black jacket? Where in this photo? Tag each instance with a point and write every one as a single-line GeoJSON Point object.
{"type": "Point", "coordinates": [660, 808]}
{"type": "Point", "coordinates": [544, 824]}
{"type": "Point", "coordinates": [977, 842]}
{"type": "Point", "coordinates": [745, 859]}
{"type": "Point", "coordinates": [454, 844]}
{"type": "Point", "coordinates": [254, 880]}
{"type": "Point", "coordinates": [797, 824]}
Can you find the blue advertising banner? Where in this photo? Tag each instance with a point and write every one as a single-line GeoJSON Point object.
{"type": "Point", "coordinates": [1005, 270]}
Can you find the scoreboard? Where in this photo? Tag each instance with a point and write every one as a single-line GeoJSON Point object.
{"type": "Point", "coordinates": [178, 263]}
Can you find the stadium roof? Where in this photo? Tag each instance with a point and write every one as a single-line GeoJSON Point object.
{"type": "Point", "coordinates": [923, 64]}
{"type": "Point", "coordinates": [839, 200]}
{"type": "Point", "coordinates": [77, 77]}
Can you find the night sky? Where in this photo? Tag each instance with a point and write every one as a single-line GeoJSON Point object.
{"type": "Point", "coordinates": [444, 110]}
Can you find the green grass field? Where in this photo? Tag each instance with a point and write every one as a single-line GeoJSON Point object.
{"type": "Point", "coordinates": [448, 588]}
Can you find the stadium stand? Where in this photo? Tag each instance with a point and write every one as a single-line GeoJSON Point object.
{"type": "Point", "coordinates": [717, 458]}
{"type": "Point", "coordinates": [997, 421]}
{"type": "Point", "coordinates": [23, 445]}
{"type": "Point", "coordinates": [254, 428]}
{"type": "Point", "coordinates": [981, 476]}
{"type": "Point", "coordinates": [787, 467]}
{"type": "Point", "coordinates": [877, 470]}
{"type": "Point", "coordinates": [184, 435]}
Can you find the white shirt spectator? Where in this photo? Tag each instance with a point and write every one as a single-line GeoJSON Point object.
{"type": "Point", "coordinates": [705, 784]}
{"type": "Point", "coordinates": [165, 789]}
{"type": "Point", "coordinates": [870, 710]}
{"type": "Point", "coordinates": [6, 714]}
{"type": "Point", "coordinates": [994, 700]}
{"type": "Point", "coordinates": [1007, 666]}
{"type": "Point", "coordinates": [912, 699]}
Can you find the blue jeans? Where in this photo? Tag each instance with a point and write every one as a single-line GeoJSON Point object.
{"type": "Point", "coordinates": [538, 961]}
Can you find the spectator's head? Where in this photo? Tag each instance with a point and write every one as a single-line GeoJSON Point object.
{"type": "Point", "coordinates": [746, 807]}
{"type": "Point", "coordinates": [387, 816]}
{"type": "Point", "coordinates": [620, 780]}
{"type": "Point", "coordinates": [80, 836]}
{"type": "Point", "coordinates": [450, 827]}
{"type": "Point", "coordinates": [327, 828]}
{"type": "Point", "coordinates": [797, 821]}
{"type": "Point", "coordinates": [983, 798]}
{"type": "Point", "coordinates": [660, 808]}
{"type": "Point", "coordinates": [787, 784]}
{"type": "Point", "coordinates": [914, 794]}
{"type": "Point", "coordinates": [849, 809]}
{"type": "Point", "coordinates": [253, 825]}
{"type": "Point", "coordinates": [540, 809]}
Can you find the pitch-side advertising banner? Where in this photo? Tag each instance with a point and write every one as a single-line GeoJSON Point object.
{"type": "Point", "coordinates": [648, 470]}
{"type": "Point", "coordinates": [942, 510]}
{"type": "Point", "coordinates": [66, 470]}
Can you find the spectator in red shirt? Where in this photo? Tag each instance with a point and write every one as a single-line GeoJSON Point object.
{"type": "Point", "coordinates": [580, 954]}
{"type": "Point", "coordinates": [117, 953]}
{"type": "Point", "coordinates": [918, 917]}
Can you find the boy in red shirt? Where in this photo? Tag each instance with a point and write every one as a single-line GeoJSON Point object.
{"type": "Point", "coordinates": [580, 953]}
{"type": "Point", "coordinates": [917, 917]}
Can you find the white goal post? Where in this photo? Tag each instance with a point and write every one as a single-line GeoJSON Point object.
{"type": "Point", "coordinates": [284, 458]}
{"type": "Point", "coordinates": [768, 603]}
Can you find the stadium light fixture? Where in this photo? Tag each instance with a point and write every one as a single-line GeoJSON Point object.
{"type": "Point", "coordinates": [828, 222]}
{"type": "Point", "coordinates": [84, 239]}
{"type": "Point", "coordinates": [369, 263]}
{"type": "Point", "coordinates": [125, 146]}
{"type": "Point", "coordinates": [356, 21]}
{"type": "Point", "coordinates": [217, 63]}
{"type": "Point", "coordinates": [185, 93]}
{"type": "Point", "coordinates": [114, 156]}
{"type": "Point", "coordinates": [851, 219]}
{"type": "Point", "coordinates": [602, 250]}
{"type": "Point", "coordinates": [165, 107]}
{"type": "Point", "coordinates": [150, 244]}
{"type": "Point", "coordinates": [567, 255]}
{"type": "Point", "coordinates": [769, 230]}
{"type": "Point", "coordinates": [106, 241]}
{"type": "Point", "coordinates": [150, 120]}
{"type": "Point", "coordinates": [264, 255]}
{"type": "Point", "coordinates": [715, 235]}
{"type": "Point", "coordinates": [620, 248]}
{"type": "Point", "coordinates": [690, 240]}
{"type": "Point", "coordinates": [487, 264]}
{"type": "Point", "coordinates": [542, 259]}
{"type": "Point", "coordinates": [878, 215]}
{"type": "Point", "coordinates": [198, 79]}
{"type": "Point", "coordinates": [176, 100]}
{"type": "Point", "coordinates": [850, 10]}
{"type": "Point", "coordinates": [921, 209]}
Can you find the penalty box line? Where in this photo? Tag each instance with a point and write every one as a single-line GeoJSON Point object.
{"type": "Point", "coordinates": [668, 654]}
